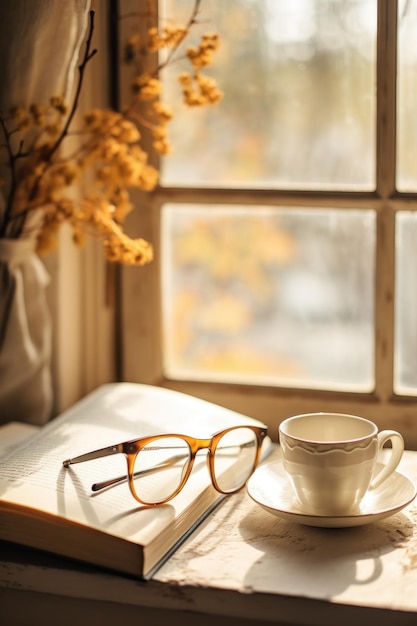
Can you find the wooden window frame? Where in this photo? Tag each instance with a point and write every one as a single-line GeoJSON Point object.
{"type": "Point", "coordinates": [140, 336]}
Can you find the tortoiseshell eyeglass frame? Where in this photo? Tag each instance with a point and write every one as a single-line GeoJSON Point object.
{"type": "Point", "coordinates": [132, 448]}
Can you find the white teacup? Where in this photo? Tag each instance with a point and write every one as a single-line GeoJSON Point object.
{"type": "Point", "coordinates": [331, 460]}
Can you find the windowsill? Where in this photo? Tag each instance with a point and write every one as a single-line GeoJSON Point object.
{"type": "Point", "coordinates": [241, 563]}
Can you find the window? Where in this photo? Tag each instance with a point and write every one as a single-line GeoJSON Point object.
{"type": "Point", "coordinates": [284, 225]}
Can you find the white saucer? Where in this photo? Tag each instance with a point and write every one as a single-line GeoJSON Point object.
{"type": "Point", "coordinates": [269, 487]}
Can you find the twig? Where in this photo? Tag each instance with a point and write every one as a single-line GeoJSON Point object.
{"type": "Point", "coordinates": [169, 58]}
{"type": "Point", "coordinates": [191, 20]}
{"type": "Point", "coordinates": [13, 181]}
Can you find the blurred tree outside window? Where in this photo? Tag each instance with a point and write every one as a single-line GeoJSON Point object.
{"type": "Point", "coordinates": [299, 97]}
{"type": "Point", "coordinates": [276, 295]}
{"type": "Point", "coordinates": [269, 296]}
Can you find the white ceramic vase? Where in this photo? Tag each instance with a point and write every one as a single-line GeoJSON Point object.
{"type": "Point", "coordinates": [25, 334]}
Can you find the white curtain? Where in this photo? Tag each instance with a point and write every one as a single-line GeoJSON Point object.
{"type": "Point", "coordinates": [39, 46]}
{"type": "Point", "coordinates": [40, 42]}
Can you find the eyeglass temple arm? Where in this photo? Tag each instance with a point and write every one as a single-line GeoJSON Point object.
{"type": "Point", "coordinates": [96, 454]}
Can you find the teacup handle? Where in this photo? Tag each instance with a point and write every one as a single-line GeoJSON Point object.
{"type": "Point", "coordinates": [394, 458]}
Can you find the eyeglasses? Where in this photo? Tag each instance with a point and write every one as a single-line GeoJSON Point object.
{"type": "Point", "coordinates": [159, 466]}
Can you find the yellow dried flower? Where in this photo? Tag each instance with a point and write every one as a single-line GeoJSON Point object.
{"type": "Point", "coordinates": [17, 114]}
{"type": "Point", "coordinates": [37, 112]}
{"type": "Point", "coordinates": [202, 91]}
{"type": "Point", "coordinates": [137, 152]}
{"type": "Point", "coordinates": [91, 119]}
{"type": "Point", "coordinates": [132, 47]}
{"type": "Point", "coordinates": [185, 78]}
{"type": "Point", "coordinates": [209, 89]}
{"type": "Point", "coordinates": [109, 156]}
{"type": "Point", "coordinates": [53, 129]}
{"type": "Point", "coordinates": [39, 168]}
{"type": "Point", "coordinates": [148, 178]}
{"type": "Point", "coordinates": [154, 40]}
{"type": "Point", "coordinates": [78, 235]}
{"type": "Point", "coordinates": [146, 87]}
{"type": "Point", "coordinates": [104, 173]}
{"type": "Point", "coordinates": [47, 239]}
{"type": "Point", "coordinates": [125, 131]}
{"type": "Point", "coordinates": [58, 103]}
{"type": "Point", "coordinates": [123, 206]}
{"type": "Point", "coordinates": [127, 251]}
{"type": "Point", "coordinates": [24, 124]}
{"type": "Point", "coordinates": [203, 55]}
{"type": "Point", "coordinates": [68, 171]}
{"type": "Point", "coordinates": [163, 146]}
{"type": "Point", "coordinates": [170, 37]}
{"type": "Point", "coordinates": [174, 34]}
{"type": "Point", "coordinates": [162, 111]}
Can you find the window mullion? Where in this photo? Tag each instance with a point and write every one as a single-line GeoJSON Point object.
{"type": "Point", "coordinates": [384, 302]}
{"type": "Point", "coordinates": [386, 98]}
{"type": "Point", "coordinates": [385, 186]}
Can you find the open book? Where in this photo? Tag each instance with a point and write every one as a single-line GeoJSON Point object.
{"type": "Point", "coordinates": [44, 505]}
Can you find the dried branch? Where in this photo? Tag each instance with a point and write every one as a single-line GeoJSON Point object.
{"type": "Point", "coordinates": [88, 55]}
{"type": "Point", "coordinates": [111, 155]}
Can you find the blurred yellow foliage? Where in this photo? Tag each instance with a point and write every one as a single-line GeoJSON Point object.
{"type": "Point", "coordinates": [235, 247]}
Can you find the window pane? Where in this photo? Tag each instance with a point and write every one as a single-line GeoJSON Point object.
{"type": "Point", "coordinates": [299, 97]}
{"type": "Point", "coordinates": [269, 295]}
{"type": "Point", "coordinates": [407, 96]}
{"type": "Point", "coordinates": [405, 370]}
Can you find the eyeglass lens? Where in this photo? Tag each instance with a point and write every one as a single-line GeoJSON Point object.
{"type": "Point", "coordinates": [160, 465]}
{"type": "Point", "coordinates": [159, 468]}
{"type": "Point", "coordinates": [234, 458]}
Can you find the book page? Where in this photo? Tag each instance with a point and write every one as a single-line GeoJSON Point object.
{"type": "Point", "coordinates": [35, 477]}
{"type": "Point", "coordinates": [13, 435]}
